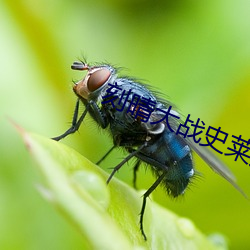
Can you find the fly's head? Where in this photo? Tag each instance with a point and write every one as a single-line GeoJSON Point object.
{"type": "Point", "coordinates": [95, 79]}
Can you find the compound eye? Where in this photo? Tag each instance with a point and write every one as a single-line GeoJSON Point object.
{"type": "Point", "coordinates": [97, 79]}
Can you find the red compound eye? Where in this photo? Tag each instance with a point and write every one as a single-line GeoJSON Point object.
{"type": "Point", "coordinates": [97, 79]}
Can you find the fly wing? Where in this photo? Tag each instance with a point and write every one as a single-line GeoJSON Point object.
{"type": "Point", "coordinates": [218, 166]}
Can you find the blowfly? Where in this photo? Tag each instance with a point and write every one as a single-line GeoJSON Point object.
{"type": "Point", "coordinates": [143, 124]}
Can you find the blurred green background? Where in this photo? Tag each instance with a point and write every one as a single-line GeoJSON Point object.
{"type": "Point", "coordinates": [196, 53]}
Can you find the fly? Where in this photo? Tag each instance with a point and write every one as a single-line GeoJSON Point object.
{"type": "Point", "coordinates": [114, 103]}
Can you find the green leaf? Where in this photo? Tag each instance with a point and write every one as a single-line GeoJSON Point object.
{"type": "Point", "coordinates": [107, 215]}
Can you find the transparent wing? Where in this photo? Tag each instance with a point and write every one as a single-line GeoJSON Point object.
{"type": "Point", "coordinates": [215, 163]}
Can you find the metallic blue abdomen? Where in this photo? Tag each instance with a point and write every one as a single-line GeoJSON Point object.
{"type": "Point", "coordinates": [169, 154]}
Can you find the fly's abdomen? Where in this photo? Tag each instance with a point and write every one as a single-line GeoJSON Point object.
{"type": "Point", "coordinates": [180, 167]}
{"type": "Point", "coordinates": [170, 155]}
{"type": "Point", "coordinates": [178, 176]}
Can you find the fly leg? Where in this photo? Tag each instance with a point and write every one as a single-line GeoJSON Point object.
{"type": "Point", "coordinates": [124, 161]}
{"type": "Point", "coordinates": [105, 155]}
{"type": "Point", "coordinates": [145, 196]}
{"type": "Point", "coordinates": [136, 167]}
{"type": "Point", "coordinates": [75, 124]}
{"type": "Point", "coordinates": [91, 107]}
